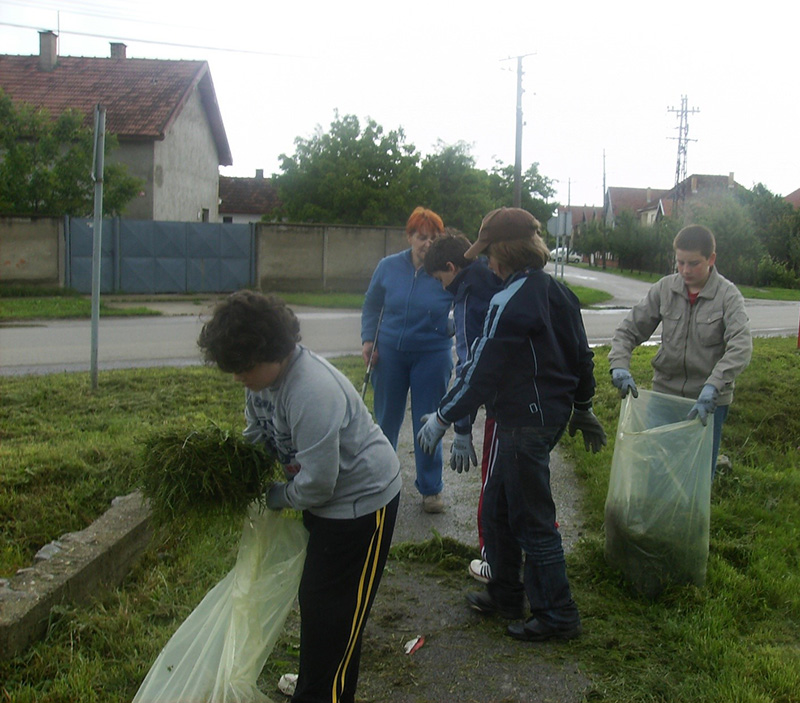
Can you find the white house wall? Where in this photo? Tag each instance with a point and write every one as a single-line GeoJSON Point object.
{"type": "Point", "coordinates": [138, 157]}
{"type": "Point", "coordinates": [186, 168]}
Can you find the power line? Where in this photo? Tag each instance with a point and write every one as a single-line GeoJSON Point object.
{"type": "Point", "coordinates": [156, 42]}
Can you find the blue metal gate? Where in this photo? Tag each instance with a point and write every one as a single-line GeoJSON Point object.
{"type": "Point", "coordinates": [141, 256]}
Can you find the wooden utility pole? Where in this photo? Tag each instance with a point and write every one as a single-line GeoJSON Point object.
{"type": "Point", "coordinates": [520, 124]}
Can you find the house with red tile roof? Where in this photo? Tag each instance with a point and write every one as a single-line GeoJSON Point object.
{"type": "Point", "coordinates": [164, 113]}
{"type": "Point", "coordinates": [246, 199]}
{"type": "Point", "coordinates": [650, 205]}
{"type": "Point", "coordinates": [793, 198]}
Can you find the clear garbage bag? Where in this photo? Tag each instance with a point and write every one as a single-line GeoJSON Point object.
{"type": "Point", "coordinates": [218, 652]}
{"type": "Point", "coordinates": [658, 507]}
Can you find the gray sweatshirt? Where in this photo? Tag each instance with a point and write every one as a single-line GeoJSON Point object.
{"type": "Point", "coordinates": [337, 459]}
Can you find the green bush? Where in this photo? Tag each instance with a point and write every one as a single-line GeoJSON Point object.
{"type": "Point", "coordinates": [776, 273]}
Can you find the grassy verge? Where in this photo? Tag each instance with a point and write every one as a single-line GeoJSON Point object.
{"type": "Point", "coordinates": [56, 306]}
{"type": "Point", "coordinates": [754, 292]}
{"type": "Point", "coordinates": [737, 639]}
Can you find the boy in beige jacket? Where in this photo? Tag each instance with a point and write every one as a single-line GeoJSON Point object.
{"type": "Point", "coordinates": [705, 337]}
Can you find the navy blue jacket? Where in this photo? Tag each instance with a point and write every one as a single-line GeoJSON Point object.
{"type": "Point", "coordinates": [532, 360]}
{"type": "Point", "coordinates": [415, 307]}
{"type": "Point", "coordinates": [472, 289]}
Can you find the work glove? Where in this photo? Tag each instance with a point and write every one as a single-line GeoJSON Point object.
{"type": "Point", "coordinates": [462, 452]}
{"type": "Point", "coordinates": [276, 497]}
{"type": "Point", "coordinates": [623, 382]}
{"type": "Point", "coordinates": [594, 436]}
{"type": "Point", "coordinates": [705, 404]}
{"type": "Point", "coordinates": [431, 432]}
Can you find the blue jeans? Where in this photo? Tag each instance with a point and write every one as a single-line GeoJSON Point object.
{"type": "Point", "coordinates": [720, 414]}
{"type": "Point", "coordinates": [427, 375]}
{"type": "Point", "coordinates": [519, 516]}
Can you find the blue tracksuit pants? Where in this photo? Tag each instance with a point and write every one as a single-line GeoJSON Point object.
{"type": "Point", "coordinates": [427, 375]}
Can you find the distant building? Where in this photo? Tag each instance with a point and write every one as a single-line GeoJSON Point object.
{"type": "Point", "coordinates": [650, 205]}
{"type": "Point", "coordinates": [246, 199]}
{"type": "Point", "coordinates": [163, 112]}
{"type": "Point", "coordinates": [793, 199]}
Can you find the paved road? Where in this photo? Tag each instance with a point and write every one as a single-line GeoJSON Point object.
{"type": "Point", "coordinates": [47, 347]}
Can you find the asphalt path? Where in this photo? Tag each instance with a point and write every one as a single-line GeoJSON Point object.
{"type": "Point", "coordinates": [40, 347]}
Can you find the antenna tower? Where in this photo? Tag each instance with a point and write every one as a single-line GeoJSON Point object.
{"type": "Point", "coordinates": [679, 191]}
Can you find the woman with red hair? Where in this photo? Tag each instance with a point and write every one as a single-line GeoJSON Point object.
{"type": "Point", "coordinates": [414, 348]}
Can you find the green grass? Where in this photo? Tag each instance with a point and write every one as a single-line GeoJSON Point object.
{"type": "Point", "coordinates": [770, 293]}
{"type": "Point", "coordinates": [54, 308]}
{"type": "Point", "coordinates": [736, 639]}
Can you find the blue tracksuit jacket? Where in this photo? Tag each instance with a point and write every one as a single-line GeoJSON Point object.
{"type": "Point", "coordinates": [415, 308]}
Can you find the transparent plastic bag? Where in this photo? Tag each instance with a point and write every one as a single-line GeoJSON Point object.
{"type": "Point", "coordinates": [658, 507]}
{"type": "Point", "coordinates": [218, 652]}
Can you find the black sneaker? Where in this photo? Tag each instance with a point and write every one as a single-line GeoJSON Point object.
{"type": "Point", "coordinates": [534, 630]}
{"type": "Point", "coordinates": [483, 603]}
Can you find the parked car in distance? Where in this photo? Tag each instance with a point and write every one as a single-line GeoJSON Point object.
{"type": "Point", "coordinates": [560, 253]}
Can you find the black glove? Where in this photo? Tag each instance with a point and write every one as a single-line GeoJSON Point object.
{"type": "Point", "coordinates": [594, 436]}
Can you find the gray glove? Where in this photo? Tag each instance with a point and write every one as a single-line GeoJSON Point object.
{"type": "Point", "coordinates": [705, 405]}
{"type": "Point", "coordinates": [594, 436]}
{"type": "Point", "coordinates": [462, 452]}
{"type": "Point", "coordinates": [623, 382]}
{"type": "Point", "coordinates": [431, 432]}
{"type": "Point", "coordinates": [276, 497]}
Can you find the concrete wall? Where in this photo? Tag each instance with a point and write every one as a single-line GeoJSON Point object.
{"type": "Point", "coordinates": [32, 251]}
{"type": "Point", "coordinates": [322, 257]}
{"type": "Point", "coordinates": [186, 168]}
{"type": "Point", "coordinates": [288, 257]}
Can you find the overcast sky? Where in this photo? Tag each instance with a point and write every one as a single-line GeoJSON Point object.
{"type": "Point", "coordinates": [599, 77]}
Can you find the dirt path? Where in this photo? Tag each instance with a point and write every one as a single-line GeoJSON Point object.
{"type": "Point", "coordinates": [466, 657]}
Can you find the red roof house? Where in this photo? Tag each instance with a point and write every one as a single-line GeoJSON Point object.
{"type": "Point", "coordinates": [163, 112]}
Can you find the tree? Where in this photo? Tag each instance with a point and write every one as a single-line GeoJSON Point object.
{"type": "Point", "coordinates": [46, 165]}
{"type": "Point", "coordinates": [774, 223]}
{"type": "Point", "coordinates": [536, 190]}
{"type": "Point", "coordinates": [350, 175]}
{"type": "Point", "coordinates": [627, 241]}
{"type": "Point", "coordinates": [739, 251]}
{"type": "Point", "coordinates": [457, 189]}
{"type": "Point", "coordinates": [594, 239]}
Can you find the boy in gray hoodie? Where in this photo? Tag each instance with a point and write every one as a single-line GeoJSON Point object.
{"type": "Point", "coordinates": [342, 472]}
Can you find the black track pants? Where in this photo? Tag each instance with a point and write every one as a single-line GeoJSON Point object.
{"type": "Point", "coordinates": [343, 568]}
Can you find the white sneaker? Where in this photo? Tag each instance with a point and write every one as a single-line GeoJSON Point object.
{"type": "Point", "coordinates": [480, 570]}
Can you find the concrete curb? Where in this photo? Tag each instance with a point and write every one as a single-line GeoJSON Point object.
{"type": "Point", "coordinates": [71, 570]}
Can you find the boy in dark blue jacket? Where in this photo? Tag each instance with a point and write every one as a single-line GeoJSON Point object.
{"type": "Point", "coordinates": [534, 363]}
{"type": "Point", "coordinates": [473, 285]}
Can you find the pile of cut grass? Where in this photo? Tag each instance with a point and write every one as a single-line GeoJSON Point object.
{"type": "Point", "coordinates": [207, 470]}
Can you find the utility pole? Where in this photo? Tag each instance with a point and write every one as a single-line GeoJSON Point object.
{"type": "Point", "coordinates": [98, 162]}
{"type": "Point", "coordinates": [518, 149]}
{"type": "Point", "coordinates": [678, 193]}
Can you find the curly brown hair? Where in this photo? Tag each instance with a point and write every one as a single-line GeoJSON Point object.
{"type": "Point", "coordinates": [246, 329]}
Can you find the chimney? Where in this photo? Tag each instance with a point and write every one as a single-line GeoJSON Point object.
{"type": "Point", "coordinates": [260, 174]}
{"type": "Point", "coordinates": [649, 195]}
{"type": "Point", "coordinates": [731, 182]}
{"type": "Point", "coordinates": [694, 185]}
{"type": "Point", "coordinates": [48, 50]}
{"type": "Point", "coordinates": [118, 50]}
